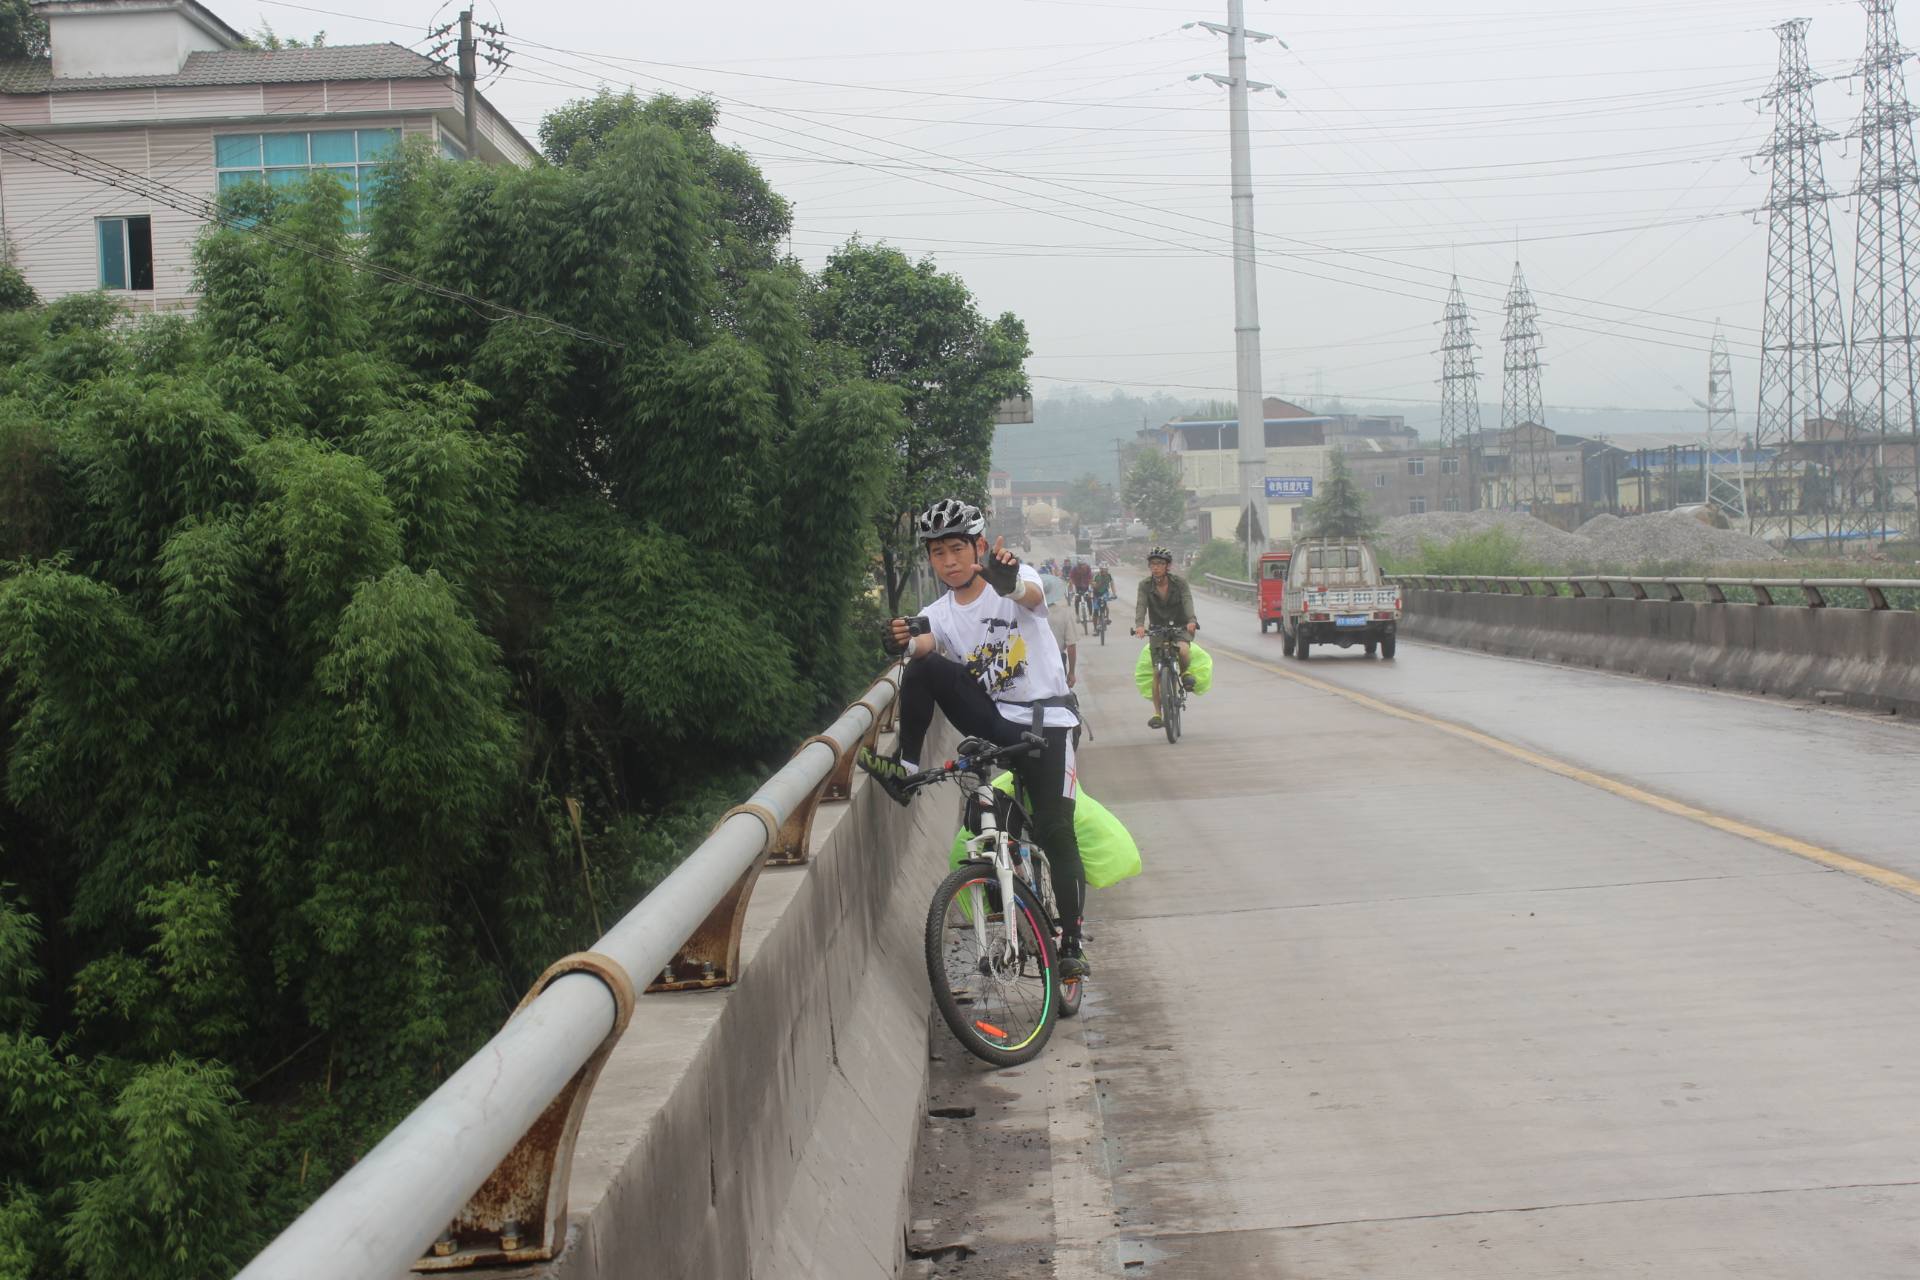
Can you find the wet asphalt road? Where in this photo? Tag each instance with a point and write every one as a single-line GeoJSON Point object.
{"type": "Point", "coordinates": [1390, 1004]}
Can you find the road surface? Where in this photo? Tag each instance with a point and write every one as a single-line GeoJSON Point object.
{"type": "Point", "coordinates": [1501, 970]}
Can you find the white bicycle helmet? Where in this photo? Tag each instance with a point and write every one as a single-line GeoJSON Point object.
{"type": "Point", "coordinates": [949, 518]}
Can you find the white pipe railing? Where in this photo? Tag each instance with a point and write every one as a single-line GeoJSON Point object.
{"type": "Point", "coordinates": [1813, 592]}
{"type": "Point", "coordinates": [385, 1212]}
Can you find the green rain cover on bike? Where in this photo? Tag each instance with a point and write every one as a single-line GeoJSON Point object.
{"type": "Point", "coordinates": [1200, 667]}
{"type": "Point", "coordinates": [1107, 850]}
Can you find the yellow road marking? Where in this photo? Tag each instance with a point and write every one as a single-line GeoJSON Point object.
{"type": "Point", "coordinates": [1625, 790]}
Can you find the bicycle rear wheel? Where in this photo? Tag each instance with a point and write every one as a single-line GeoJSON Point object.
{"type": "Point", "coordinates": [1001, 1007]}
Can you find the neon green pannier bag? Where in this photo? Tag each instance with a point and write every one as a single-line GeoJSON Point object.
{"type": "Point", "coordinates": [1200, 668]}
{"type": "Point", "coordinates": [1107, 849]}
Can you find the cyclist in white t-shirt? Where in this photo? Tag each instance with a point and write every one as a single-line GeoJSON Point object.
{"type": "Point", "coordinates": [988, 660]}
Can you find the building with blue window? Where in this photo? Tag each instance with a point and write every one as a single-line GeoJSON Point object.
{"type": "Point", "coordinates": [160, 97]}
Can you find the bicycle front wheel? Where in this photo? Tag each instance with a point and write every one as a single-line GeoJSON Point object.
{"type": "Point", "coordinates": [995, 986]}
{"type": "Point", "coordinates": [1170, 702]}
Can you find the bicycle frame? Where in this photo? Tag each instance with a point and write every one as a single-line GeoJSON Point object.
{"type": "Point", "coordinates": [995, 844]}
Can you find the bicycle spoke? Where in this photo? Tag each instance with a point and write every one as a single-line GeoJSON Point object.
{"type": "Point", "coordinates": [1004, 1004]}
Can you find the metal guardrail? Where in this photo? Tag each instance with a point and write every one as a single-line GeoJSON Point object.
{"type": "Point", "coordinates": [1813, 591]}
{"type": "Point", "coordinates": [477, 1175]}
{"type": "Point", "coordinates": [1229, 585]}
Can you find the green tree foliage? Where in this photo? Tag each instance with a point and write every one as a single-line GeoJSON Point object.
{"type": "Point", "coordinates": [1154, 494]}
{"type": "Point", "coordinates": [15, 293]}
{"type": "Point", "coordinates": [749, 218]}
{"type": "Point", "coordinates": [1221, 558]}
{"type": "Point", "coordinates": [912, 327]}
{"type": "Point", "coordinates": [322, 615]}
{"type": "Point", "coordinates": [1339, 510]}
{"type": "Point", "coordinates": [23, 33]}
{"type": "Point", "coordinates": [1493, 551]}
{"type": "Point", "coordinates": [1088, 499]}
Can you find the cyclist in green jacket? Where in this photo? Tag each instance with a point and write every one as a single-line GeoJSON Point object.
{"type": "Point", "coordinates": [1165, 600]}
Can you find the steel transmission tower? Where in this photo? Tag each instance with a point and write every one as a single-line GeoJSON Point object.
{"type": "Point", "coordinates": [1886, 271]}
{"type": "Point", "coordinates": [1727, 492]}
{"type": "Point", "coordinates": [1801, 432]}
{"type": "Point", "coordinates": [1459, 394]}
{"type": "Point", "coordinates": [1529, 462]}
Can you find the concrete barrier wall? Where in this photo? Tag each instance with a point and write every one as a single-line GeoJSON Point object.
{"type": "Point", "coordinates": [768, 1130]}
{"type": "Point", "coordinates": [1861, 657]}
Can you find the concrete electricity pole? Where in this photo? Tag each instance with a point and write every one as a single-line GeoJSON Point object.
{"type": "Point", "coordinates": [469, 75]}
{"type": "Point", "coordinates": [1246, 291]}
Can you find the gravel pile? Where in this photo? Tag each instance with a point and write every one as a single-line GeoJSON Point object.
{"type": "Point", "coordinates": [1666, 536]}
{"type": "Point", "coordinates": [1608, 542]}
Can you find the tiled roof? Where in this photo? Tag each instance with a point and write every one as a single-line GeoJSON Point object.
{"type": "Point", "coordinates": [238, 66]}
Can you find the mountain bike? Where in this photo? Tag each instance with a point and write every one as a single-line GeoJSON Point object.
{"type": "Point", "coordinates": [1082, 610]}
{"type": "Point", "coordinates": [1102, 619]}
{"type": "Point", "coordinates": [1167, 675]}
{"type": "Point", "coordinates": [994, 970]}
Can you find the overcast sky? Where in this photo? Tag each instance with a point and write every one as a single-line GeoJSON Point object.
{"type": "Point", "coordinates": [1055, 154]}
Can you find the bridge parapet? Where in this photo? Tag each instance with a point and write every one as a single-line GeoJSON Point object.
{"type": "Point", "coordinates": [1842, 640]}
{"type": "Point", "coordinates": [479, 1173]}
{"type": "Point", "coordinates": [1817, 593]}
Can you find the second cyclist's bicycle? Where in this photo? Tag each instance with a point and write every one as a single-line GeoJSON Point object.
{"type": "Point", "coordinates": [992, 941]}
{"type": "Point", "coordinates": [1167, 677]}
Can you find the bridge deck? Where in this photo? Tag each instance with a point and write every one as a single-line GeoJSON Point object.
{"type": "Point", "coordinates": [1394, 1003]}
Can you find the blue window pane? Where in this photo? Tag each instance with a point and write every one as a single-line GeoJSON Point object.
{"type": "Point", "coordinates": [236, 150]}
{"type": "Point", "coordinates": [378, 144]}
{"type": "Point", "coordinates": [286, 148]}
{"type": "Point", "coordinates": [286, 177]}
{"type": "Point", "coordinates": [348, 177]}
{"type": "Point", "coordinates": [113, 253]}
{"type": "Point", "coordinates": [333, 148]}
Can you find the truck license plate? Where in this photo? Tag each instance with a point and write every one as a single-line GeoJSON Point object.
{"type": "Point", "coordinates": [1350, 622]}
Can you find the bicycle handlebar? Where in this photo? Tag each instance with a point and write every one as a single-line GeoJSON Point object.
{"type": "Point", "coordinates": [976, 756]}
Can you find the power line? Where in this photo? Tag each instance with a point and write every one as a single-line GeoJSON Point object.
{"type": "Point", "coordinates": [914, 172]}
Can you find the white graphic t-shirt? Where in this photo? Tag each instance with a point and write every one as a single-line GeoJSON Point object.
{"type": "Point", "coordinates": [1007, 647]}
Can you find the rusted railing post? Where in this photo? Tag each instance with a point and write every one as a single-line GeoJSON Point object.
{"type": "Point", "coordinates": [711, 956]}
{"type": "Point", "coordinates": [519, 1214]}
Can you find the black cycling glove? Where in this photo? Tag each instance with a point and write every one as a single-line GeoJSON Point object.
{"type": "Point", "coordinates": [1003, 577]}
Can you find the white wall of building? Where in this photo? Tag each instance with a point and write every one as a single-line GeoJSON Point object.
{"type": "Point", "coordinates": [49, 215]}
{"type": "Point", "coordinates": [121, 42]}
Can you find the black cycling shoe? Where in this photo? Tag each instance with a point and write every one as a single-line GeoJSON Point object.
{"type": "Point", "coordinates": [1073, 961]}
{"type": "Point", "coordinates": [889, 773]}
{"type": "Point", "coordinates": [1188, 682]}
